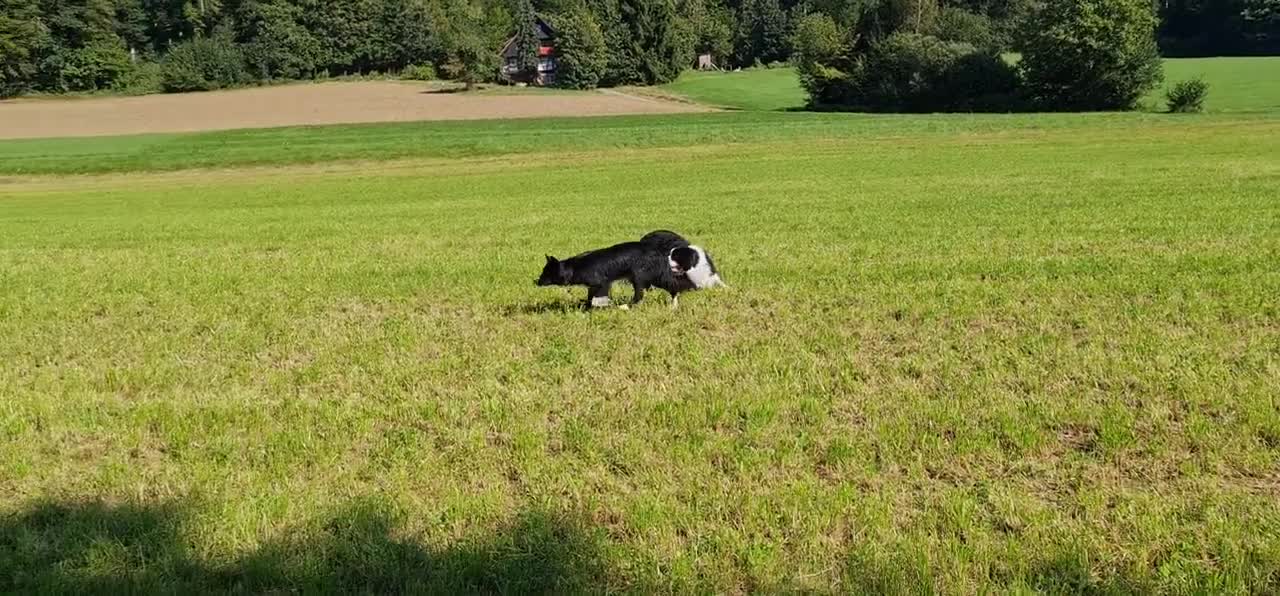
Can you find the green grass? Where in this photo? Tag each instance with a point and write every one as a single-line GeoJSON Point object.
{"type": "Point", "coordinates": [760, 89]}
{"type": "Point", "coordinates": [959, 354]}
{"type": "Point", "coordinates": [1235, 85]}
{"type": "Point", "coordinates": [451, 140]}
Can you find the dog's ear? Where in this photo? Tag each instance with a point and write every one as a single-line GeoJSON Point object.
{"type": "Point", "coordinates": [551, 259]}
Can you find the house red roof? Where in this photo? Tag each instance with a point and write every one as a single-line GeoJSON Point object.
{"type": "Point", "coordinates": [545, 50]}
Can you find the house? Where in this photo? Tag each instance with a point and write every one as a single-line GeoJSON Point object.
{"type": "Point", "coordinates": [546, 57]}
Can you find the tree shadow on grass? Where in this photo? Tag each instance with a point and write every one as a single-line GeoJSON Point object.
{"type": "Point", "coordinates": [112, 549]}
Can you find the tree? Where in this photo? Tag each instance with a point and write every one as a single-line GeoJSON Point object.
{"type": "Point", "coordinates": [1262, 24]}
{"type": "Point", "coordinates": [818, 39]}
{"type": "Point", "coordinates": [1090, 54]}
{"type": "Point", "coordinates": [347, 34]}
{"type": "Point", "coordinates": [911, 16]}
{"type": "Point", "coordinates": [410, 37]}
{"type": "Point", "coordinates": [22, 37]}
{"type": "Point", "coordinates": [1220, 27]}
{"type": "Point", "coordinates": [762, 33]}
{"type": "Point", "coordinates": [709, 26]}
{"type": "Point", "coordinates": [201, 16]}
{"type": "Point", "coordinates": [526, 41]}
{"type": "Point", "coordinates": [472, 59]}
{"type": "Point", "coordinates": [580, 50]}
{"type": "Point", "coordinates": [276, 43]}
{"type": "Point", "coordinates": [643, 41]}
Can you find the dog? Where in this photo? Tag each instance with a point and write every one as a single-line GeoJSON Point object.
{"type": "Point", "coordinates": [661, 259]}
{"type": "Point", "coordinates": [637, 262]}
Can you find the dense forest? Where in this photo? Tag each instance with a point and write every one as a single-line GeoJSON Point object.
{"type": "Point", "coordinates": [141, 46]}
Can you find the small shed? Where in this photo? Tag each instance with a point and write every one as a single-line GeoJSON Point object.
{"type": "Point", "coordinates": [546, 74]}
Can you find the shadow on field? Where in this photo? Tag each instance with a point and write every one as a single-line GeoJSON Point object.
{"type": "Point", "coordinates": [545, 307]}
{"type": "Point", "coordinates": [444, 90]}
{"type": "Point", "coordinates": [103, 548]}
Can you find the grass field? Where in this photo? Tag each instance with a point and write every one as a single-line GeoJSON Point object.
{"type": "Point", "coordinates": [452, 140]}
{"type": "Point", "coordinates": [1027, 353]}
{"type": "Point", "coordinates": [757, 89]}
{"type": "Point", "coordinates": [960, 354]}
{"type": "Point", "coordinates": [1235, 85]}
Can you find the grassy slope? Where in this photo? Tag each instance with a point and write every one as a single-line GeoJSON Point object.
{"type": "Point", "coordinates": [955, 355]}
{"type": "Point", "coordinates": [758, 89]}
{"type": "Point", "coordinates": [1235, 85]}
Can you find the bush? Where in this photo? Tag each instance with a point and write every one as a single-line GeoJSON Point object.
{"type": "Point", "coordinates": [920, 73]}
{"type": "Point", "coordinates": [203, 64]}
{"type": "Point", "coordinates": [904, 72]}
{"type": "Point", "coordinates": [961, 26]}
{"type": "Point", "coordinates": [1090, 54]}
{"type": "Point", "coordinates": [98, 65]}
{"type": "Point", "coordinates": [832, 86]}
{"type": "Point", "coordinates": [416, 72]}
{"type": "Point", "coordinates": [1187, 96]}
{"type": "Point", "coordinates": [982, 82]}
{"type": "Point", "coordinates": [143, 78]}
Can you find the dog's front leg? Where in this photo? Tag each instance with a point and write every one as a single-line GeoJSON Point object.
{"type": "Point", "coordinates": [639, 295]}
{"type": "Point", "coordinates": [598, 296]}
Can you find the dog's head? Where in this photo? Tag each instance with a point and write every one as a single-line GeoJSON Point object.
{"type": "Point", "coordinates": [554, 273]}
{"type": "Point", "coordinates": [683, 259]}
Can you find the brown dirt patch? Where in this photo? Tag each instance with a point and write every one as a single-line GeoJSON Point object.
{"type": "Point", "coordinates": [324, 103]}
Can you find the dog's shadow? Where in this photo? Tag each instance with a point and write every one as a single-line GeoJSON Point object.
{"type": "Point", "coordinates": [545, 307]}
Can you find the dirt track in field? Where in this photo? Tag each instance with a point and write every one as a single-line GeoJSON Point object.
{"type": "Point", "coordinates": [290, 105]}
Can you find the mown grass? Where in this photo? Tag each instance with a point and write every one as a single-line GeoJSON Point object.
{"type": "Point", "coordinates": [451, 140]}
{"type": "Point", "coordinates": [759, 89]}
{"type": "Point", "coordinates": [1236, 85]}
{"type": "Point", "coordinates": [959, 355]}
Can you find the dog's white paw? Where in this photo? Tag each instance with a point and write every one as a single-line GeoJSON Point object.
{"type": "Point", "coordinates": [624, 306]}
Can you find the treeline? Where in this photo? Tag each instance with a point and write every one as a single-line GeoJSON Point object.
{"type": "Point", "coordinates": [864, 54]}
{"type": "Point", "coordinates": [1219, 27]}
{"type": "Point", "coordinates": [181, 45]}
{"type": "Point", "coordinates": [57, 46]}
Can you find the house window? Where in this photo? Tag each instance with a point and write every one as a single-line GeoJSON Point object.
{"type": "Point", "coordinates": [546, 64]}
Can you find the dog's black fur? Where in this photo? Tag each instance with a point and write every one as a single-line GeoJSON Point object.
{"type": "Point", "coordinates": [664, 241]}
{"type": "Point", "coordinates": [637, 262]}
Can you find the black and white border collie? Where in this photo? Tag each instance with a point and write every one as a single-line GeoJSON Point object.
{"type": "Point", "coordinates": [662, 259]}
